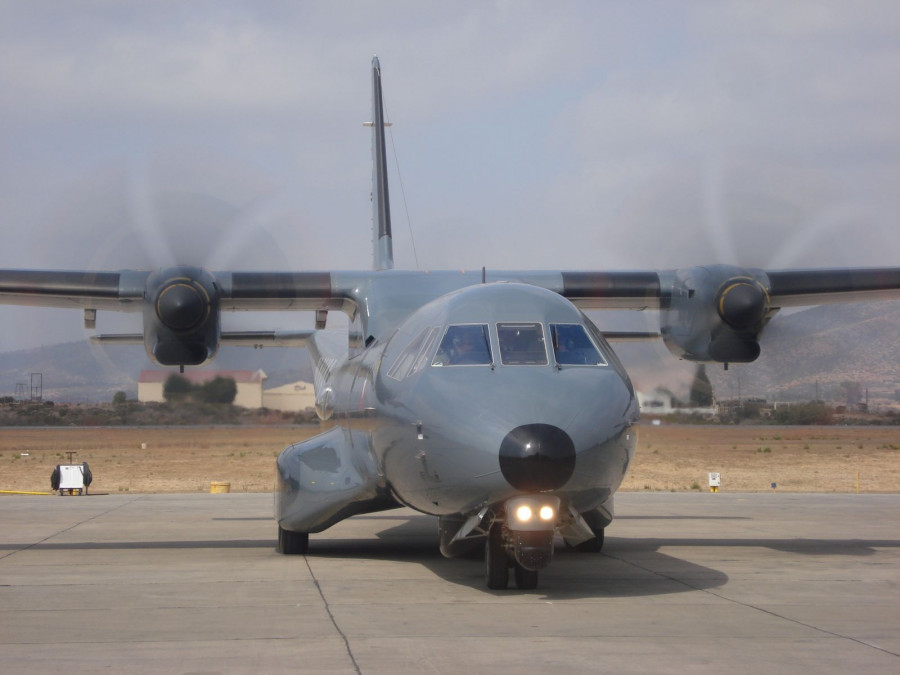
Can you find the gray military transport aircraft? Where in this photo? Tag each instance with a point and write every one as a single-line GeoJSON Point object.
{"type": "Point", "coordinates": [485, 398]}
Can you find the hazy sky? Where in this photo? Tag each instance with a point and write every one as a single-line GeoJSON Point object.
{"type": "Point", "coordinates": [573, 135]}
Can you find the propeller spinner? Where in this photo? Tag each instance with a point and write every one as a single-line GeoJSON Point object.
{"type": "Point", "coordinates": [181, 316]}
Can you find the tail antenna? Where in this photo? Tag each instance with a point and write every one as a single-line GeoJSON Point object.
{"type": "Point", "coordinates": [381, 207]}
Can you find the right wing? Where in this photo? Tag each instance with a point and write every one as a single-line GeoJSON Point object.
{"type": "Point", "coordinates": [181, 306]}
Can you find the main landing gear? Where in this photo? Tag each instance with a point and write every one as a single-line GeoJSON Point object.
{"type": "Point", "coordinates": [594, 545]}
{"type": "Point", "coordinates": [292, 543]}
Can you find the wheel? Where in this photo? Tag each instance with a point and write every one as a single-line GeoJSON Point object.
{"type": "Point", "coordinates": [292, 543]}
{"type": "Point", "coordinates": [594, 545]}
{"type": "Point", "coordinates": [496, 563]}
{"type": "Point", "coordinates": [526, 580]}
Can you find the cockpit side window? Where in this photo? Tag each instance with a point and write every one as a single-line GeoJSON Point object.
{"type": "Point", "coordinates": [414, 354]}
{"type": "Point", "coordinates": [573, 347]}
{"type": "Point", "coordinates": [522, 344]}
{"type": "Point", "coordinates": [426, 350]}
{"type": "Point", "coordinates": [464, 345]}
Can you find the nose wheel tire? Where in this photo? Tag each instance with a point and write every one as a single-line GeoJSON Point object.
{"type": "Point", "coordinates": [292, 543]}
{"type": "Point", "coordinates": [496, 562]}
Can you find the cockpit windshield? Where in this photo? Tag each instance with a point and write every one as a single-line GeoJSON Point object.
{"type": "Point", "coordinates": [464, 345]}
{"type": "Point", "coordinates": [522, 344]}
{"type": "Point", "coordinates": [573, 347]}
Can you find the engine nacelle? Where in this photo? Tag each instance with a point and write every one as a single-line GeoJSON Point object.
{"type": "Point", "coordinates": [181, 316]}
{"type": "Point", "coordinates": [716, 313]}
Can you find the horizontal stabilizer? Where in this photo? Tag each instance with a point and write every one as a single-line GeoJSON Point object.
{"type": "Point", "coordinates": [271, 338]}
{"type": "Point", "coordinates": [126, 339]}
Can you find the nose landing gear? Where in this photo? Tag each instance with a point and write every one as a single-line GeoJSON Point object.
{"type": "Point", "coordinates": [522, 541]}
{"type": "Point", "coordinates": [497, 563]}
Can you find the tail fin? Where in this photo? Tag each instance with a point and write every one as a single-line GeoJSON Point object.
{"type": "Point", "coordinates": [381, 219]}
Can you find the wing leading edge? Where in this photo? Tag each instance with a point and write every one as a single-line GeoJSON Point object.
{"type": "Point", "coordinates": [124, 290]}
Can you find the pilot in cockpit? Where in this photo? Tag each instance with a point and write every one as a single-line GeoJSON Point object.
{"type": "Point", "coordinates": [465, 350]}
{"type": "Point", "coordinates": [464, 345]}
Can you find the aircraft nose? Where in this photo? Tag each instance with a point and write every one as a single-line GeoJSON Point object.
{"type": "Point", "coordinates": [537, 457]}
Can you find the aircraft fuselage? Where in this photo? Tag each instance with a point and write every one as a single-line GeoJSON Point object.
{"type": "Point", "coordinates": [543, 407]}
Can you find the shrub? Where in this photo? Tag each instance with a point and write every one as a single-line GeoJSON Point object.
{"type": "Point", "coordinates": [804, 413]}
{"type": "Point", "coordinates": [177, 388]}
{"type": "Point", "coordinates": [217, 390]}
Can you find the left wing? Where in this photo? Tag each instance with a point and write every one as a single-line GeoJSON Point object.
{"type": "Point", "coordinates": [718, 312]}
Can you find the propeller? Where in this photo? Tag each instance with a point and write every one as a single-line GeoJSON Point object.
{"type": "Point", "coordinates": [181, 235]}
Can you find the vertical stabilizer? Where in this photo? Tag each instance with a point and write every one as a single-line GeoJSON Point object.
{"type": "Point", "coordinates": [381, 207]}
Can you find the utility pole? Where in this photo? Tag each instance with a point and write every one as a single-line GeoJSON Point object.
{"type": "Point", "coordinates": [37, 386]}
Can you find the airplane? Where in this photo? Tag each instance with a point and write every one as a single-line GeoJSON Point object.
{"type": "Point", "coordinates": [486, 398]}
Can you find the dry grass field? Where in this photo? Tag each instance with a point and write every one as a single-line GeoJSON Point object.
{"type": "Point", "coordinates": [750, 458]}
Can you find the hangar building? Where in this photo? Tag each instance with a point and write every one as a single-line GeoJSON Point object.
{"type": "Point", "coordinates": [296, 396]}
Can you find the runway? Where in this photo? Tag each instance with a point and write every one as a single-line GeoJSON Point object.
{"type": "Point", "coordinates": [699, 583]}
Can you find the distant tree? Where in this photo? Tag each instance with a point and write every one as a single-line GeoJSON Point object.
{"type": "Point", "coordinates": [701, 389]}
{"type": "Point", "coordinates": [750, 410]}
{"type": "Point", "coordinates": [177, 388]}
{"type": "Point", "coordinates": [120, 397]}
{"type": "Point", "coordinates": [218, 390]}
{"type": "Point", "coordinates": [851, 392]}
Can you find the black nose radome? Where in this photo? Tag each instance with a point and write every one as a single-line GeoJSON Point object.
{"type": "Point", "coordinates": [181, 306]}
{"type": "Point", "coordinates": [537, 457]}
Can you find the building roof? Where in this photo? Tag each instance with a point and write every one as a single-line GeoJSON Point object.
{"type": "Point", "coordinates": [201, 376]}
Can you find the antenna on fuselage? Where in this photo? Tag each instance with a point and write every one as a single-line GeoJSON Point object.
{"type": "Point", "coordinates": [382, 243]}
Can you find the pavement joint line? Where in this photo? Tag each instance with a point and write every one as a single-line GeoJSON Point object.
{"type": "Point", "coordinates": [754, 607]}
{"type": "Point", "coordinates": [150, 641]}
{"type": "Point", "coordinates": [71, 527]}
{"type": "Point", "coordinates": [331, 616]}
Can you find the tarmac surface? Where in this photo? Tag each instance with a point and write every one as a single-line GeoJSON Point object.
{"type": "Point", "coordinates": [699, 583]}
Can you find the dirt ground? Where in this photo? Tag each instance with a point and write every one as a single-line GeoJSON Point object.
{"type": "Point", "coordinates": [679, 458]}
{"type": "Point", "coordinates": [751, 458]}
